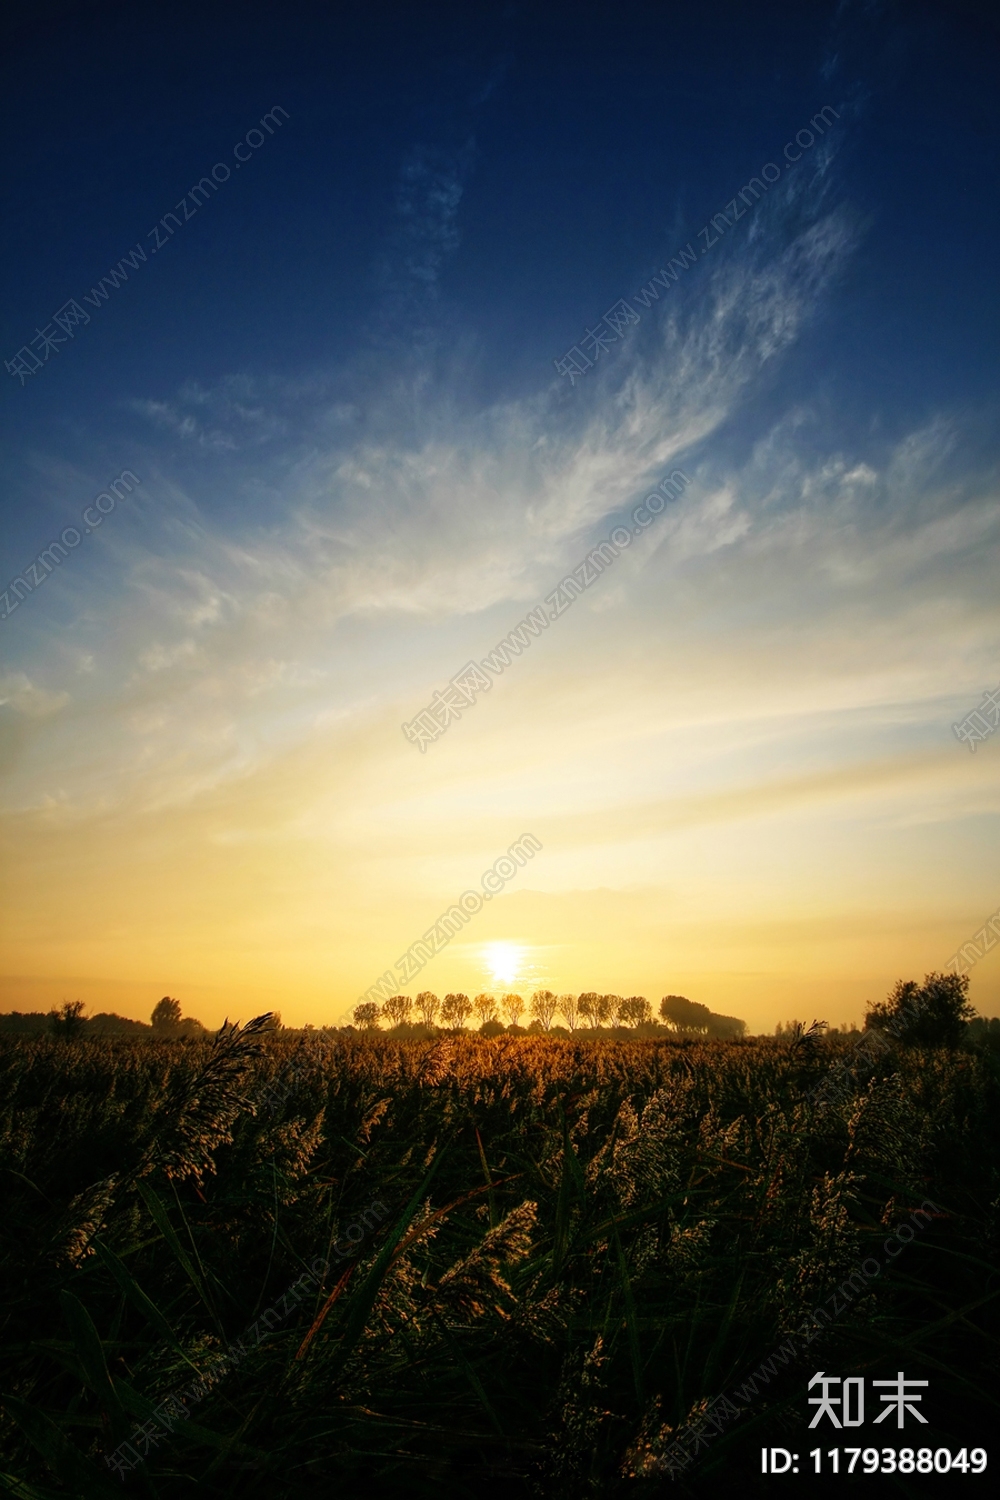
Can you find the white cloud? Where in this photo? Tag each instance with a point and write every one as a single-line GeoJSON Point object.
{"type": "Point", "coordinates": [407, 527]}
{"type": "Point", "coordinates": [19, 693]}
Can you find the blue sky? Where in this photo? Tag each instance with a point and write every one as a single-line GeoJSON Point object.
{"type": "Point", "coordinates": [359, 468]}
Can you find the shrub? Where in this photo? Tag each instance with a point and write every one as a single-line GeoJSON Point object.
{"type": "Point", "coordinates": [68, 1022]}
{"type": "Point", "coordinates": [929, 1015]}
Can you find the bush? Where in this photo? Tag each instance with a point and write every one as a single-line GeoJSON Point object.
{"type": "Point", "coordinates": [933, 1014]}
{"type": "Point", "coordinates": [68, 1022]}
{"type": "Point", "coordinates": [983, 1031]}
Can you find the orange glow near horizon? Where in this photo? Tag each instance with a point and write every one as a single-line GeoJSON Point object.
{"type": "Point", "coordinates": [735, 749]}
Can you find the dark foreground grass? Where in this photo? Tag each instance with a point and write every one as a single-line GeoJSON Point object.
{"type": "Point", "coordinates": [475, 1268]}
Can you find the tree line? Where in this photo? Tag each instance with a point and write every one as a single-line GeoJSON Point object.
{"type": "Point", "coordinates": [589, 1011]}
{"type": "Point", "coordinates": [69, 1023]}
{"type": "Point", "coordinates": [936, 1013]}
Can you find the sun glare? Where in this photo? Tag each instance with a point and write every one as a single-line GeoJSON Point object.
{"type": "Point", "coordinates": [503, 960]}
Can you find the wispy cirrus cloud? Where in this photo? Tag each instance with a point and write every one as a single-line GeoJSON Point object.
{"type": "Point", "coordinates": [425, 237]}
{"type": "Point", "coordinates": [774, 653]}
{"type": "Point", "coordinates": [406, 506]}
{"type": "Point", "coordinates": [233, 416]}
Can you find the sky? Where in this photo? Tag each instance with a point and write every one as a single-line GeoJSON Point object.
{"type": "Point", "coordinates": [385, 378]}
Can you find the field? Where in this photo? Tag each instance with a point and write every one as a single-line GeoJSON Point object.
{"type": "Point", "coordinates": [277, 1263]}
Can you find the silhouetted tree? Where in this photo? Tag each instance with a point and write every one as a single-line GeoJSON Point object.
{"type": "Point", "coordinates": [166, 1016]}
{"type": "Point", "coordinates": [396, 1009]}
{"type": "Point", "coordinates": [366, 1015]}
{"type": "Point", "coordinates": [543, 1008]}
{"type": "Point", "coordinates": [485, 1007]}
{"type": "Point", "coordinates": [513, 1008]}
{"type": "Point", "coordinates": [456, 1010]}
{"type": "Point", "coordinates": [933, 1014]}
{"type": "Point", "coordinates": [68, 1022]}
{"type": "Point", "coordinates": [428, 1005]}
{"type": "Point", "coordinates": [613, 1009]}
{"type": "Point", "coordinates": [592, 1007]}
{"type": "Point", "coordinates": [635, 1011]}
{"type": "Point", "coordinates": [684, 1014]}
{"type": "Point", "coordinates": [727, 1028]}
{"type": "Point", "coordinates": [984, 1032]}
{"type": "Point", "coordinates": [694, 1019]}
{"type": "Point", "coordinates": [569, 1007]}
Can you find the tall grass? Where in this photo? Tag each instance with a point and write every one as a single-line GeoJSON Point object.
{"type": "Point", "coordinates": [578, 1245]}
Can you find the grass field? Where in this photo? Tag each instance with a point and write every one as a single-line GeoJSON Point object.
{"type": "Point", "coordinates": [276, 1263]}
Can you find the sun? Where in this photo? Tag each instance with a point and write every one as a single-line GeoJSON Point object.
{"type": "Point", "coordinates": [504, 961]}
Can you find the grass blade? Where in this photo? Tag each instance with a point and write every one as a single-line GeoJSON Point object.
{"type": "Point", "coordinates": [69, 1465]}
{"type": "Point", "coordinates": [92, 1361]}
{"type": "Point", "coordinates": [364, 1299]}
{"type": "Point", "coordinates": [135, 1294]}
{"type": "Point", "coordinates": [159, 1213]}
